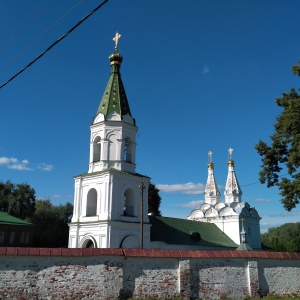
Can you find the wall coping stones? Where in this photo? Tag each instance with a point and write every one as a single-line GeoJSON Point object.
{"type": "Point", "coordinates": [22, 251]}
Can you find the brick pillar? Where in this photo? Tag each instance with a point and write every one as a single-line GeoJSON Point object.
{"type": "Point", "coordinates": [184, 279]}
{"type": "Point", "coordinates": [253, 280]}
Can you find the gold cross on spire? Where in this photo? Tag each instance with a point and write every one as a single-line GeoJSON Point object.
{"type": "Point", "coordinates": [116, 40]}
{"type": "Point", "coordinates": [210, 156]}
{"type": "Point", "coordinates": [230, 150]}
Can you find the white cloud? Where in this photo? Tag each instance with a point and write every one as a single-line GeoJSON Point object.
{"type": "Point", "coordinates": [189, 188]}
{"type": "Point", "coordinates": [287, 214]}
{"type": "Point", "coordinates": [205, 70]}
{"type": "Point", "coordinates": [55, 196]}
{"type": "Point", "coordinates": [261, 200]}
{"type": "Point", "coordinates": [192, 204]}
{"type": "Point", "coordinates": [7, 160]}
{"type": "Point", "coordinates": [13, 163]}
{"type": "Point", "coordinates": [276, 220]}
{"type": "Point", "coordinates": [45, 167]}
{"type": "Point", "coordinates": [19, 167]}
{"type": "Point", "coordinates": [23, 165]}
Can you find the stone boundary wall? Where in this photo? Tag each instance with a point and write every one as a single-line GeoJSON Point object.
{"type": "Point", "coordinates": [60, 273]}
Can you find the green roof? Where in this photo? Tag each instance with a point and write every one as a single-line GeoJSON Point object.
{"type": "Point", "coordinates": [10, 220]}
{"type": "Point", "coordinates": [244, 246]}
{"type": "Point", "coordinates": [114, 98]}
{"type": "Point", "coordinates": [188, 232]}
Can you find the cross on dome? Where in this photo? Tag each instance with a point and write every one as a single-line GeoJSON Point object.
{"type": "Point", "coordinates": [116, 40]}
{"type": "Point", "coordinates": [230, 150]}
{"type": "Point", "coordinates": [210, 156]}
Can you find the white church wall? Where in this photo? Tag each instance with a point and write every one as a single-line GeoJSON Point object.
{"type": "Point", "coordinates": [95, 231]}
{"type": "Point", "coordinates": [127, 235]}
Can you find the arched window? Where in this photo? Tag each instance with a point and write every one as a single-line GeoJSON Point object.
{"type": "Point", "coordinates": [91, 203]}
{"type": "Point", "coordinates": [97, 149]}
{"type": "Point", "coordinates": [128, 150]}
{"type": "Point", "coordinates": [129, 203]}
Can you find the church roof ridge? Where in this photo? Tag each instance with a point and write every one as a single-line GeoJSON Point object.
{"type": "Point", "coordinates": [108, 170]}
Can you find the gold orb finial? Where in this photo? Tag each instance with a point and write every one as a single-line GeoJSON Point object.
{"type": "Point", "coordinates": [210, 163]}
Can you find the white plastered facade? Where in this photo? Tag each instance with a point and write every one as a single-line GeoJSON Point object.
{"type": "Point", "coordinates": [230, 214]}
{"type": "Point", "coordinates": [107, 200]}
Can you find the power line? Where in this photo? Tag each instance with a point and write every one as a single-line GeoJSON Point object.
{"type": "Point", "coordinates": [55, 43]}
{"type": "Point", "coordinates": [42, 35]}
{"type": "Point", "coordinates": [192, 194]}
{"type": "Point", "coordinates": [221, 190]}
{"type": "Point", "coordinates": [26, 26]}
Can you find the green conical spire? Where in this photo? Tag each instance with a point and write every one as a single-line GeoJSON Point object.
{"type": "Point", "coordinates": [114, 98]}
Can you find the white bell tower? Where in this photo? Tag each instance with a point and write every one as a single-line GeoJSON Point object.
{"type": "Point", "coordinates": [110, 199]}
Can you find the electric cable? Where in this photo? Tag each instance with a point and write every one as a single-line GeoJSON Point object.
{"type": "Point", "coordinates": [41, 36]}
{"type": "Point", "coordinates": [190, 195]}
{"type": "Point", "coordinates": [54, 44]}
{"type": "Point", "coordinates": [26, 26]}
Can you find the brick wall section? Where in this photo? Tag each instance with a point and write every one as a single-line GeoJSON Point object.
{"type": "Point", "coordinates": [42, 273]}
{"type": "Point", "coordinates": [253, 279]}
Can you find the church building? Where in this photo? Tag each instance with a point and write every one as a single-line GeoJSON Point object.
{"type": "Point", "coordinates": [111, 199]}
{"type": "Point", "coordinates": [233, 215]}
{"type": "Point", "coordinates": [107, 199]}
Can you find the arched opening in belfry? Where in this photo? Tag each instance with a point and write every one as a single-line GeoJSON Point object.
{"type": "Point", "coordinates": [91, 203]}
{"type": "Point", "coordinates": [129, 203]}
{"type": "Point", "coordinates": [97, 149]}
{"type": "Point", "coordinates": [128, 150]}
{"type": "Point", "coordinates": [88, 242]}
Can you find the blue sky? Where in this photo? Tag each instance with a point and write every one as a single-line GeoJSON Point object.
{"type": "Point", "coordinates": [199, 75]}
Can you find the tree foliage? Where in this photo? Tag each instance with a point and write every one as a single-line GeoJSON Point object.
{"type": "Point", "coordinates": [50, 221]}
{"type": "Point", "coordinates": [283, 154]}
{"type": "Point", "coordinates": [51, 224]}
{"type": "Point", "coordinates": [283, 238]}
{"type": "Point", "coordinates": [17, 200]}
{"type": "Point", "coordinates": [153, 200]}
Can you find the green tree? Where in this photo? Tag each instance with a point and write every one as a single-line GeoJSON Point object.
{"type": "Point", "coordinates": [153, 200]}
{"type": "Point", "coordinates": [283, 238]}
{"type": "Point", "coordinates": [5, 195]}
{"type": "Point", "coordinates": [283, 154]}
{"type": "Point", "coordinates": [17, 200]}
{"type": "Point", "coordinates": [51, 224]}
